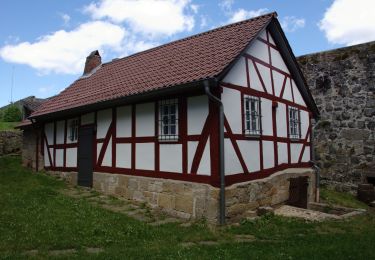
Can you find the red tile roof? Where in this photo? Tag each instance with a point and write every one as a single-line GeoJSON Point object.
{"type": "Point", "coordinates": [197, 57]}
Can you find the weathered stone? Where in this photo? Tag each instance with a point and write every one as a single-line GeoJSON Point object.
{"type": "Point", "coordinates": [184, 203]}
{"type": "Point", "coordinates": [165, 201]}
{"type": "Point", "coordinates": [264, 210]}
{"type": "Point", "coordinates": [355, 134]}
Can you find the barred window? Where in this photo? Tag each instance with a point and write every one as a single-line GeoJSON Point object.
{"type": "Point", "coordinates": [168, 119]}
{"type": "Point", "coordinates": [73, 130]}
{"type": "Point", "coordinates": [252, 115]}
{"type": "Point", "coordinates": [294, 123]}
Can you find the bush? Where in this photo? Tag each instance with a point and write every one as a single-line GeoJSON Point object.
{"type": "Point", "coordinates": [12, 114]}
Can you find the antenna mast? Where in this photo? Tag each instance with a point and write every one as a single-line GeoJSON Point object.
{"type": "Point", "coordinates": [11, 87]}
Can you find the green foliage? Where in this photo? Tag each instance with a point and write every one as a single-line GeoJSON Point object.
{"type": "Point", "coordinates": [12, 114]}
{"type": "Point", "coordinates": [35, 215]}
{"type": "Point", "coordinates": [339, 198]}
{"type": "Point", "coordinates": [8, 126]}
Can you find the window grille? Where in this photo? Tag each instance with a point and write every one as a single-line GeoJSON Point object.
{"type": "Point", "coordinates": [252, 114]}
{"type": "Point", "coordinates": [168, 119]}
{"type": "Point", "coordinates": [294, 123]}
{"type": "Point", "coordinates": [73, 130]}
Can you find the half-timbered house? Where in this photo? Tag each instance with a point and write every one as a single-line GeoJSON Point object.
{"type": "Point", "coordinates": [171, 125]}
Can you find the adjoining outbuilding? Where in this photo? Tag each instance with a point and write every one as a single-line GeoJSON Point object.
{"type": "Point", "coordinates": [177, 125]}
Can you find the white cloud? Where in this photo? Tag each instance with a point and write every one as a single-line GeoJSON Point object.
{"type": "Point", "coordinates": [242, 14]}
{"type": "Point", "coordinates": [349, 22]}
{"type": "Point", "coordinates": [66, 18]}
{"type": "Point", "coordinates": [194, 8]}
{"type": "Point", "coordinates": [150, 17]}
{"type": "Point", "coordinates": [65, 51]}
{"type": "Point", "coordinates": [226, 5]}
{"type": "Point", "coordinates": [292, 23]}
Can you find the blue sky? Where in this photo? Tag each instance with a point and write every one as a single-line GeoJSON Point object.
{"type": "Point", "coordinates": [44, 43]}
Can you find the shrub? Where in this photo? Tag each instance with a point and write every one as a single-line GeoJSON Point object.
{"type": "Point", "coordinates": [12, 114]}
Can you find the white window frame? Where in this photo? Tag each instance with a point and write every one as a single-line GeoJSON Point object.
{"type": "Point", "coordinates": [168, 123]}
{"type": "Point", "coordinates": [73, 130]}
{"type": "Point", "coordinates": [252, 116]}
{"type": "Point", "coordinates": [294, 123]}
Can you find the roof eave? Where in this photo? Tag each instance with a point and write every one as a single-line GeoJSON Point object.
{"type": "Point", "coordinates": [175, 89]}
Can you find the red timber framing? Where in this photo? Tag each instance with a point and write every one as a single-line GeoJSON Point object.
{"type": "Point", "coordinates": [209, 135]}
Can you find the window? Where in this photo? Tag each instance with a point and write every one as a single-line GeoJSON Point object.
{"type": "Point", "coordinates": [252, 115]}
{"type": "Point", "coordinates": [73, 130]}
{"type": "Point", "coordinates": [168, 119]}
{"type": "Point", "coordinates": [294, 123]}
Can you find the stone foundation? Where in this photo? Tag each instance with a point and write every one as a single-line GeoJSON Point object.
{"type": "Point", "coordinates": [242, 198]}
{"type": "Point", "coordinates": [30, 140]}
{"type": "Point", "coordinates": [196, 200]}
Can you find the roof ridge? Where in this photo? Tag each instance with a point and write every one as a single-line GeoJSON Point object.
{"type": "Point", "coordinates": [193, 36]}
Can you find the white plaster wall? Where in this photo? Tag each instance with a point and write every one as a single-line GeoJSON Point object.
{"type": "Point", "coordinates": [237, 75]}
{"type": "Point", "coordinates": [278, 80]}
{"type": "Point", "coordinates": [60, 129]}
{"type": "Point", "coordinates": [98, 149]}
{"type": "Point", "coordinates": [266, 76]}
{"type": "Point", "coordinates": [103, 122]}
{"type": "Point", "coordinates": [282, 149]}
{"type": "Point", "coordinates": [281, 124]}
{"type": "Point", "coordinates": [306, 154]}
{"type": "Point", "coordinates": [266, 106]}
{"type": "Point", "coordinates": [49, 131]}
{"type": "Point", "coordinates": [232, 109]}
{"type": "Point", "coordinates": [51, 153]}
{"type": "Point", "coordinates": [304, 123]}
{"type": "Point", "coordinates": [145, 119]}
{"type": "Point", "coordinates": [268, 155]}
{"type": "Point", "coordinates": [263, 35]}
{"type": "Point", "coordinates": [205, 164]}
{"type": "Point", "coordinates": [87, 119]}
{"type": "Point", "coordinates": [46, 158]}
{"type": "Point", "coordinates": [288, 91]}
{"type": "Point", "coordinates": [145, 156]}
{"type": "Point", "coordinates": [254, 78]}
{"type": "Point", "coordinates": [123, 155]}
{"type": "Point", "coordinates": [277, 61]}
{"type": "Point", "coordinates": [297, 95]}
{"type": "Point", "coordinates": [295, 150]}
{"type": "Point", "coordinates": [197, 112]}
{"type": "Point", "coordinates": [59, 157]}
{"type": "Point", "coordinates": [170, 158]}
{"type": "Point", "coordinates": [71, 157]}
{"type": "Point", "coordinates": [107, 159]}
{"type": "Point", "coordinates": [192, 148]}
{"type": "Point", "coordinates": [259, 50]}
{"type": "Point", "coordinates": [124, 121]}
{"type": "Point", "coordinates": [250, 153]}
{"type": "Point", "coordinates": [232, 163]}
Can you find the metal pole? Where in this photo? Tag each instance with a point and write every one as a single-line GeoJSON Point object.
{"type": "Point", "coordinates": [221, 151]}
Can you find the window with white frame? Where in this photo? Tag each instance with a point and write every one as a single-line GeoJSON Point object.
{"type": "Point", "coordinates": [73, 130]}
{"type": "Point", "coordinates": [168, 119]}
{"type": "Point", "coordinates": [294, 123]}
{"type": "Point", "coordinates": [252, 114]}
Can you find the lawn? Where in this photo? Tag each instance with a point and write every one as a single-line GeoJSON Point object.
{"type": "Point", "coordinates": [8, 125]}
{"type": "Point", "coordinates": [36, 219]}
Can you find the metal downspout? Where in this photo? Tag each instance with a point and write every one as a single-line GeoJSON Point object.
{"type": "Point", "coordinates": [221, 150]}
{"type": "Point", "coordinates": [316, 168]}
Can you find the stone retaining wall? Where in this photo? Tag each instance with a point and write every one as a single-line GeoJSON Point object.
{"type": "Point", "coordinates": [10, 142]}
{"type": "Point", "coordinates": [30, 141]}
{"type": "Point", "coordinates": [196, 200]}
{"type": "Point", "coordinates": [342, 82]}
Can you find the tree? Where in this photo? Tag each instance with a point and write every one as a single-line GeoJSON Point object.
{"type": "Point", "coordinates": [12, 114]}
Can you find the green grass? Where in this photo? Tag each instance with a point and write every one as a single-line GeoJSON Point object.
{"type": "Point", "coordinates": [35, 215]}
{"type": "Point", "coordinates": [344, 199]}
{"type": "Point", "coordinates": [8, 125]}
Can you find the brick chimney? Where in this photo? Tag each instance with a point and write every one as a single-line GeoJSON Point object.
{"type": "Point", "coordinates": [92, 61]}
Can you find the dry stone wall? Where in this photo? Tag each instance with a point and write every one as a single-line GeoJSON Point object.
{"type": "Point", "coordinates": [342, 82]}
{"type": "Point", "coordinates": [10, 142]}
